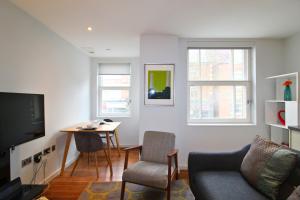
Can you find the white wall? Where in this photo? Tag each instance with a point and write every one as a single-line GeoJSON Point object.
{"type": "Point", "coordinates": [35, 60]}
{"type": "Point", "coordinates": [292, 53]}
{"type": "Point", "coordinates": [170, 49]}
{"type": "Point", "coordinates": [292, 57]}
{"type": "Point", "coordinates": [128, 131]}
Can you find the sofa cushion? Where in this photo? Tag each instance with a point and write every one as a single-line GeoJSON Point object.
{"type": "Point", "coordinates": [267, 165]}
{"type": "Point", "coordinates": [220, 185]}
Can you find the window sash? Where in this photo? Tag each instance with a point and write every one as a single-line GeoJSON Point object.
{"type": "Point", "coordinates": [123, 86]}
{"type": "Point", "coordinates": [247, 57]}
{"type": "Point", "coordinates": [247, 83]}
{"type": "Point", "coordinates": [217, 120]}
{"type": "Point", "coordinates": [100, 101]}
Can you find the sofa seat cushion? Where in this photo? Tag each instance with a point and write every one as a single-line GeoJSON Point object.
{"type": "Point", "coordinates": [147, 173]}
{"type": "Point", "coordinates": [220, 185]}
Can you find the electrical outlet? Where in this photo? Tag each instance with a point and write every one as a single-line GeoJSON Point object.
{"type": "Point", "coordinates": [46, 151]}
{"type": "Point", "coordinates": [37, 157]}
{"type": "Point", "coordinates": [53, 147]}
{"type": "Point", "coordinates": [26, 161]}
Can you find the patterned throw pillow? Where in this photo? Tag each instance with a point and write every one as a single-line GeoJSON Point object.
{"type": "Point", "coordinates": [267, 165]}
{"type": "Point", "coordinates": [295, 195]}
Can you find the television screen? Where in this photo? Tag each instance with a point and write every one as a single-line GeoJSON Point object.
{"type": "Point", "coordinates": [21, 118]}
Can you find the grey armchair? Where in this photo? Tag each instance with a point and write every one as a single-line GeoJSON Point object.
{"type": "Point", "coordinates": [88, 143]}
{"type": "Point", "coordinates": [158, 165]}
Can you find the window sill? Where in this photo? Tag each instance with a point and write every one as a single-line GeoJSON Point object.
{"type": "Point", "coordinates": [221, 124]}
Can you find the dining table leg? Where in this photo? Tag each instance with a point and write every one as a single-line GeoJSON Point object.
{"type": "Point", "coordinates": [109, 153]}
{"type": "Point", "coordinates": [117, 140]}
{"type": "Point", "coordinates": [67, 146]}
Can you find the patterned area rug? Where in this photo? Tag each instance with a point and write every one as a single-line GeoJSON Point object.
{"type": "Point", "coordinates": [111, 191]}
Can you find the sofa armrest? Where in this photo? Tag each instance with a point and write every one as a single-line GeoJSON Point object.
{"type": "Point", "coordinates": [215, 161]}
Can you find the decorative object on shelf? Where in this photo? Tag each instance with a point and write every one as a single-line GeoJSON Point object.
{"type": "Point", "coordinates": [281, 119]}
{"type": "Point", "coordinates": [159, 84]}
{"type": "Point", "coordinates": [287, 90]}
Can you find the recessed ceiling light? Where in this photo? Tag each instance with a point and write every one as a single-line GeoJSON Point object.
{"type": "Point", "coordinates": [89, 50]}
{"type": "Point", "coordinates": [107, 49]}
{"type": "Point", "coordinates": [89, 28]}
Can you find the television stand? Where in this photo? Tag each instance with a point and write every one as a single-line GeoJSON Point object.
{"type": "Point", "coordinates": [15, 190]}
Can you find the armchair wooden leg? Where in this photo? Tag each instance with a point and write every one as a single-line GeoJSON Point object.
{"type": "Point", "coordinates": [123, 190]}
{"type": "Point", "coordinates": [96, 162]}
{"type": "Point", "coordinates": [169, 191]}
{"type": "Point", "coordinates": [76, 163]}
{"type": "Point", "coordinates": [176, 167]}
{"type": "Point", "coordinates": [177, 174]}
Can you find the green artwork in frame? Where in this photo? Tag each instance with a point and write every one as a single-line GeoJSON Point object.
{"type": "Point", "coordinates": [159, 80]}
{"type": "Point", "coordinates": [159, 84]}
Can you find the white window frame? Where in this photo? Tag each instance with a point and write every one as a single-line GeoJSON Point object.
{"type": "Point", "coordinates": [247, 83]}
{"type": "Point", "coordinates": [100, 88]}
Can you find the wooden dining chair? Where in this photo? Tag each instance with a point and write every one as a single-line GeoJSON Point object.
{"type": "Point", "coordinates": [158, 164]}
{"type": "Point", "coordinates": [89, 142]}
{"type": "Point", "coordinates": [111, 134]}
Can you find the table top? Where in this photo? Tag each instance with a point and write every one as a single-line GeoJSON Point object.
{"type": "Point", "coordinates": [108, 126]}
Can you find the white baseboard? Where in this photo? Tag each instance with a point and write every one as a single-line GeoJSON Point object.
{"type": "Point", "coordinates": [70, 162]}
{"type": "Point", "coordinates": [57, 171]}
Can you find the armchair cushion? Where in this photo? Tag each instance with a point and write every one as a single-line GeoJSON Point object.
{"type": "Point", "coordinates": [148, 174]}
{"type": "Point", "coordinates": [157, 145]}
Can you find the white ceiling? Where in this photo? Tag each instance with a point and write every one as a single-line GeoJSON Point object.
{"type": "Point", "coordinates": [117, 24]}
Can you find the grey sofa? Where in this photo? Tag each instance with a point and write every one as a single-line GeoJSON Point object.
{"type": "Point", "coordinates": [216, 176]}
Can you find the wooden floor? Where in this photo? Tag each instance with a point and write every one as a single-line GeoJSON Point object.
{"type": "Point", "coordinates": [67, 187]}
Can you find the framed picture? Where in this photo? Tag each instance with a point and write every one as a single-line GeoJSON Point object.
{"type": "Point", "coordinates": [159, 84]}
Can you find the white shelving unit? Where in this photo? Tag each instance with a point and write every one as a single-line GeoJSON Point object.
{"type": "Point", "coordinates": [277, 103]}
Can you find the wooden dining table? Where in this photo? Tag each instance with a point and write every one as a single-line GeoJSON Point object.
{"type": "Point", "coordinates": [106, 128]}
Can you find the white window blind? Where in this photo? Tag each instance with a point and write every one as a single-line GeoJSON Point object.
{"type": "Point", "coordinates": [114, 69]}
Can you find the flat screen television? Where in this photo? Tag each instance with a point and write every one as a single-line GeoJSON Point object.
{"type": "Point", "coordinates": [22, 118]}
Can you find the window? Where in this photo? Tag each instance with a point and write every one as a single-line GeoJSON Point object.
{"type": "Point", "coordinates": [114, 90]}
{"type": "Point", "coordinates": [219, 85]}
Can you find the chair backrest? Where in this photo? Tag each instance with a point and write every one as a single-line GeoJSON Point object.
{"type": "Point", "coordinates": [88, 142]}
{"type": "Point", "coordinates": [157, 145]}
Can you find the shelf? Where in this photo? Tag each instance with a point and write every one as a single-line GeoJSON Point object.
{"type": "Point", "coordinates": [278, 101]}
{"type": "Point", "coordinates": [295, 74]}
{"type": "Point", "coordinates": [278, 88]}
{"type": "Point", "coordinates": [272, 107]}
{"type": "Point", "coordinates": [278, 125]}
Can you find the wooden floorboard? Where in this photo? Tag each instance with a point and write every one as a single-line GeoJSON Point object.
{"type": "Point", "coordinates": [68, 187]}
